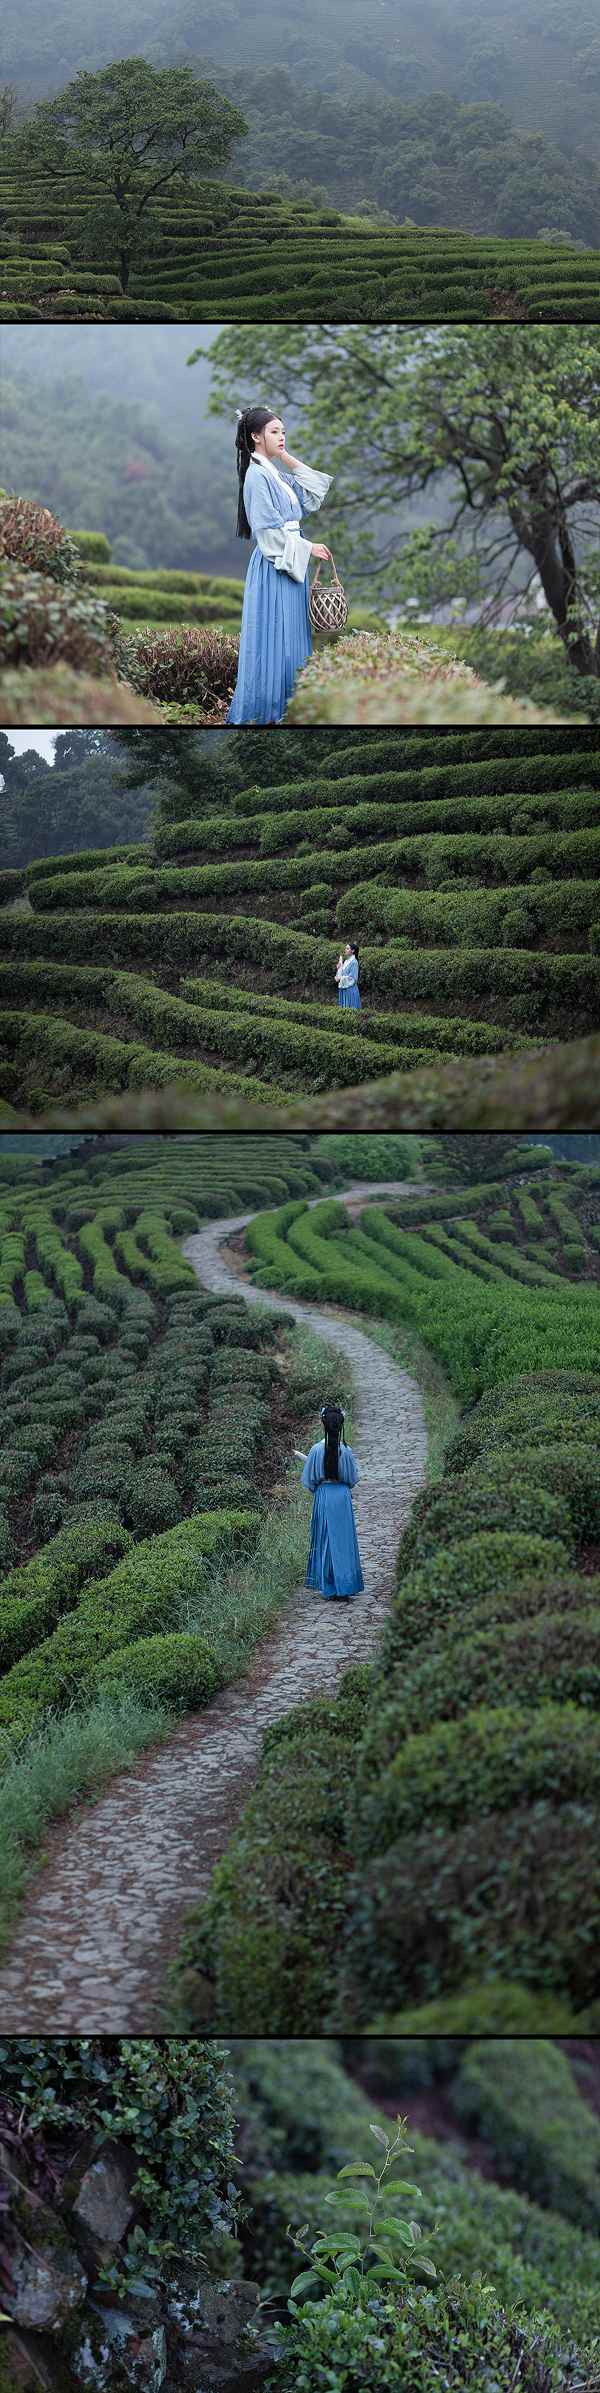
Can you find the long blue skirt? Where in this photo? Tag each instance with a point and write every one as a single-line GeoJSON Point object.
{"type": "Point", "coordinates": [334, 1564]}
{"type": "Point", "coordinates": [275, 641]}
{"type": "Point", "coordinates": [349, 996]}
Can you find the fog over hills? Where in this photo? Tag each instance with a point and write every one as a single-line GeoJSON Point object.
{"type": "Point", "coordinates": [485, 116]}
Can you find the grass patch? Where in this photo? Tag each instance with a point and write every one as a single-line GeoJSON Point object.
{"type": "Point", "coordinates": [66, 1759]}
{"type": "Point", "coordinates": [78, 1753]}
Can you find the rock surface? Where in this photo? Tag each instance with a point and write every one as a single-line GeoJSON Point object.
{"type": "Point", "coordinates": [45, 2289]}
{"type": "Point", "coordinates": [230, 2348]}
{"type": "Point", "coordinates": [104, 2203]}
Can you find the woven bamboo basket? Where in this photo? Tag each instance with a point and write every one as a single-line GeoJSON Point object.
{"type": "Point", "coordinates": [328, 604]}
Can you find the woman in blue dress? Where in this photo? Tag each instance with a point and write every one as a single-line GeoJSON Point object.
{"type": "Point", "coordinates": [346, 973]}
{"type": "Point", "coordinates": [330, 1472]}
{"type": "Point", "coordinates": [275, 636]}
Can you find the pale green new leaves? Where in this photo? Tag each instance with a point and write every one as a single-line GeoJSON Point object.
{"type": "Point", "coordinates": [383, 2248]}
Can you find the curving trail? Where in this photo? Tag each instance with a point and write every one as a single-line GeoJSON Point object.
{"type": "Point", "coordinates": [102, 1920]}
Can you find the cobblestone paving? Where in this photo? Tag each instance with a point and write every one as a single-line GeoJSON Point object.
{"type": "Point", "coordinates": [102, 1920]}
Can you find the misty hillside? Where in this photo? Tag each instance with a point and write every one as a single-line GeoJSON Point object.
{"type": "Point", "coordinates": [114, 435]}
{"type": "Point", "coordinates": [483, 116]}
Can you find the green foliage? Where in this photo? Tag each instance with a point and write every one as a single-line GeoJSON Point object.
{"type": "Point", "coordinates": [380, 2247]}
{"type": "Point", "coordinates": [540, 2129]}
{"type": "Point", "coordinates": [180, 957]}
{"type": "Point", "coordinates": [181, 666]}
{"type": "Point", "coordinates": [136, 1600]}
{"type": "Point", "coordinates": [437, 2342]}
{"type": "Point", "coordinates": [35, 1596]}
{"type": "Point", "coordinates": [434, 1825]}
{"type": "Point", "coordinates": [170, 2102]}
{"type": "Point", "coordinates": [178, 1670]}
{"type": "Point", "coordinates": [126, 132]}
{"type": "Point", "coordinates": [302, 2117]}
{"type": "Point", "coordinates": [45, 624]}
{"type": "Point", "coordinates": [31, 537]}
{"type": "Point", "coordinates": [539, 386]}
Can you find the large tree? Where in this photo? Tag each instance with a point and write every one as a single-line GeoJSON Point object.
{"type": "Point", "coordinates": [466, 1161]}
{"type": "Point", "coordinates": [120, 137]}
{"type": "Point", "coordinates": [76, 802]}
{"type": "Point", "coordinates": [191, 771]}
{"type": "Point", "coordinates": [503, 418]}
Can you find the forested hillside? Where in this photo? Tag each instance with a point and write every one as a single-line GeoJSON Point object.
{"type": "Point", "coordinates": [114, 435]}
{"type": "Point", "coordinates": [446, 113]}
{"type": "Point", "coordinates": [78, 801]}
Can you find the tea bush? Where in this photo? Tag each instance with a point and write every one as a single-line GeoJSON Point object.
{"type": "Point", "coordinates": [438, 1832]}
{"type": "Point", "coordinates": [211, 952]}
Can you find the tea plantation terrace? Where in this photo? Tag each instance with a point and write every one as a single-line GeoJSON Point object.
{"type": "Point", "coordinates": [249, 256]}
{"type": "Point", "coordinates": [141, 1421]}
{"type": "Point", "coordinates": [424, 1844]}
{"type": "Point", "coordinates": [472, 883]}
{"type": "Point", "coordinates": [306, 2110]}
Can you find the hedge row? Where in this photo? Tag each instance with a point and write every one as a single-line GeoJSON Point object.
{"type": "Point", "coordinates": [35, 1596]}
{"type": "Point", "coordinates": [94, 1061]}
{"type": "Point", "coordinates": [561, 990]}
{"type": "Point", "coordinates": [517, 916]}
{"type": "Point", "coordinates": [541, 2131]}
{"type": "Point", "coordinates": [448, 766]}
{"type": "Point", "coordinates": [370, 806]}
{"type": "Point", "coordinates": [303, 2116]}
{"type": "Point", "coordinates": [139, 1598]}
{"type": "Point", "coordinates": [509, 862]}
{"type": "Point", "coordinates": [432, 1825]}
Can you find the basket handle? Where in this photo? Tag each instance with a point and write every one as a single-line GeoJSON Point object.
{"type": "Point", "coordinates": [318, 570]}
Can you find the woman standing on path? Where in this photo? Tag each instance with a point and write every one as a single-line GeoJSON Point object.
{"type": "Point", "coordinates": [330, 1472]}
{"type": "Point", "coordinates": [275, 637]}
{"type": "Point", "coordinates": [346, 973]}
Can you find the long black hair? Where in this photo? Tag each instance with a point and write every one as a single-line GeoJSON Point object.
{"type": "Point", "coordinates": [252, 420]}
{"type": "Point", "coordinates": [333, 1423]}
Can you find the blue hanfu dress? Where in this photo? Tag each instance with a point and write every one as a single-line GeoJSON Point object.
{"type": "Point", "coordinates": [348, 989]}
{"type": "Point", "coordinates": [275, 636]}
{"type": "Point", "coordinates": [334, 1564]}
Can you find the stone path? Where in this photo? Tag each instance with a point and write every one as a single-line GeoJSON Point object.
{"type": "Point", "coordinates": [102, 1920]}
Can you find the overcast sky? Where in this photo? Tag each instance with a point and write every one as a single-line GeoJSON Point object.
{"type": "Point", "coordinates": [44, 740]}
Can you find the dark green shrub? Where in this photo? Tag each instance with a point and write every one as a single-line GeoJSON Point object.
{"type": "Point", "coordinates": [469, 1506]}
{"type": "Point", "coordinates": [544, 2136]}
{"type": "Point", "coordinates": [35, 1596]}
{"type": "Point", "coordinates": [500, 2007]}
{"type": "Point", "coordinates": [438, 2340]}
{"type": "Point", "coordinates": [151, 1500]}
{"type": "Point", "coordinates": [177, 1670]}
{"type": "Point", "coordinates": [553, 1659]}
{"type": "Point", "coordinates": [509, 1894]}
{"type": "Point", "coordinates": [138, 1599]}
{"type": "Point", "coordinates": [464, 1573]}
{"type": "Point", "coordinates": [488, 1761]}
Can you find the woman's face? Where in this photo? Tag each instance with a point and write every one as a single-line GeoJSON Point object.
{"type": "Point", "coordinates": [347, 951]}
{"type": "Point", "coordinates": [271, 441]}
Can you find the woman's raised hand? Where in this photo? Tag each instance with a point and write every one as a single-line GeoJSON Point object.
{"type": "Point", "coordinates": [319, 550]}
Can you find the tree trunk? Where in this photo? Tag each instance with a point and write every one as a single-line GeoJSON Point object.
{"type": "Point", "coordinates": [124, 268]}
{"type": "Point", "coordinates": [545, 533]}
